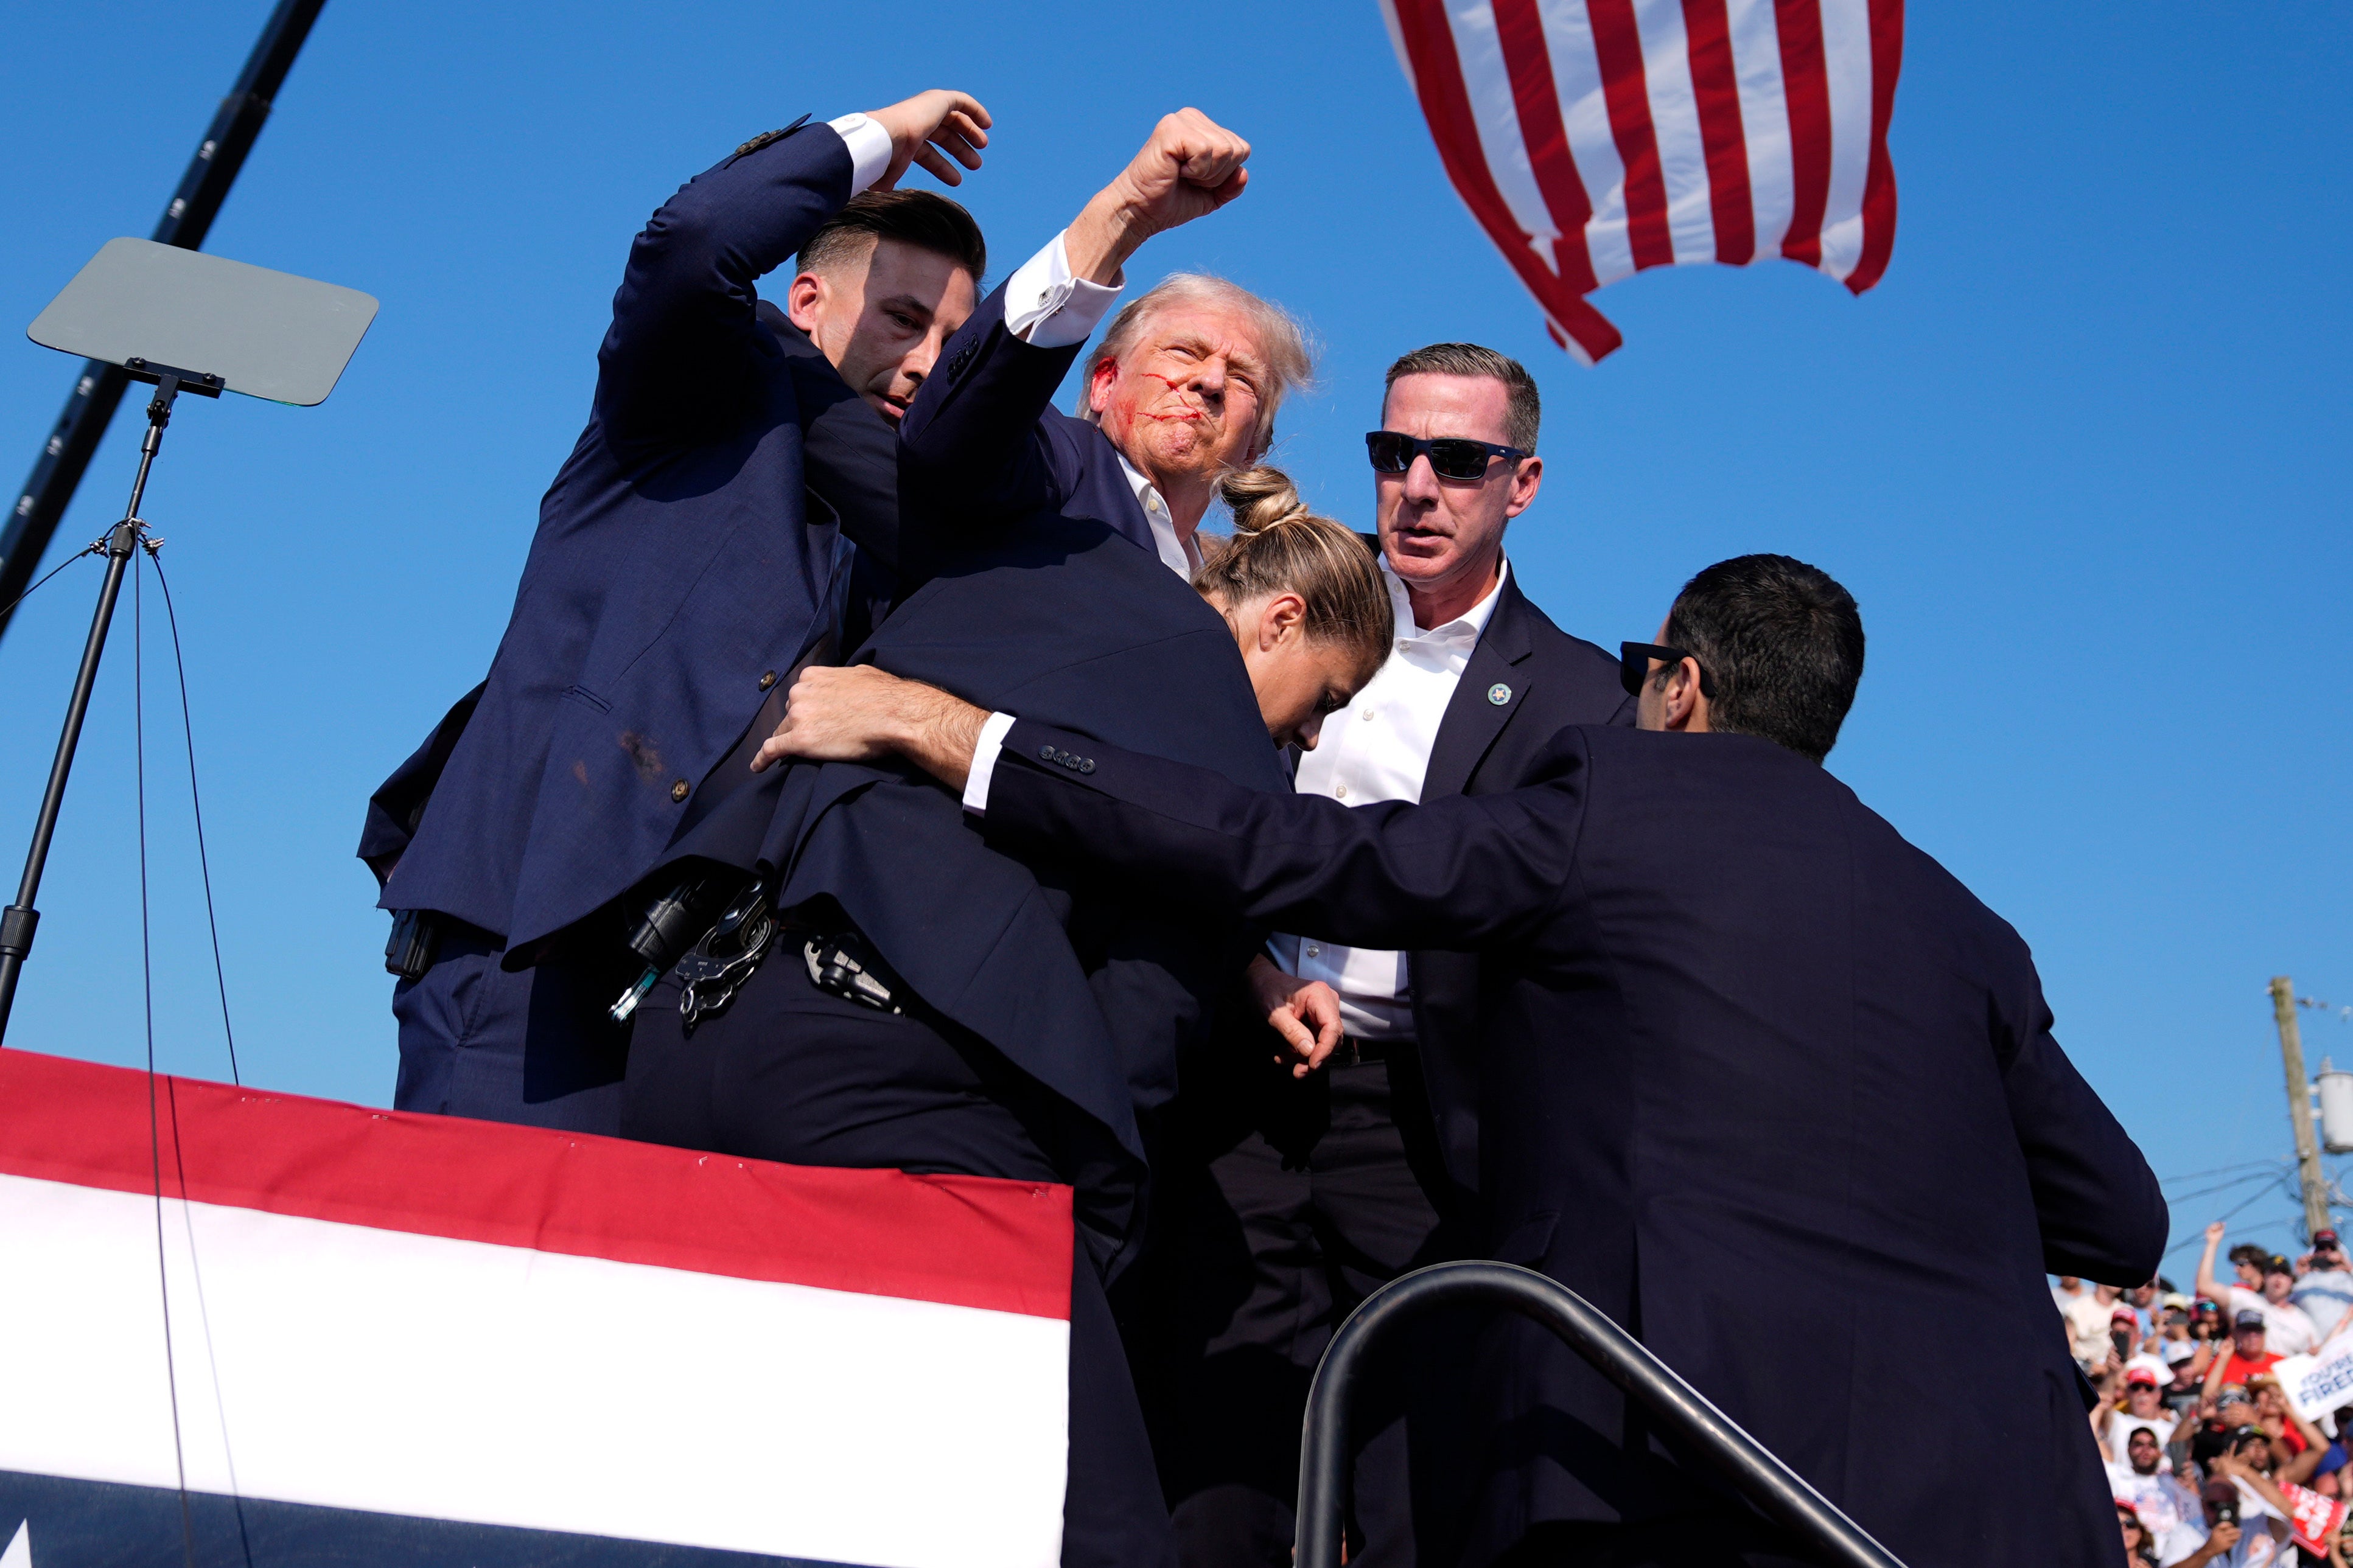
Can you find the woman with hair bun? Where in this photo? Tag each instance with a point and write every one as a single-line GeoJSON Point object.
{"type": "Point", "coordinates": [1305, 601]}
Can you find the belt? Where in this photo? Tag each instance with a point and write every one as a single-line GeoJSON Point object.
{"type": "Point", "coordinates": [1354, 1051]}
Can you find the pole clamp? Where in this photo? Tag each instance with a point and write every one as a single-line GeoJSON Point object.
{"type": "Point", "coordinates": [16, 923]}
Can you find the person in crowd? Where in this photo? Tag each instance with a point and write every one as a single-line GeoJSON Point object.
{"type": "Point", "coordinates": [938, 1004]}
{"type": "Point", "coordinates": [2162, 1503]}
{"type": "Point", "coordinates": [2144, 1410]}
{"type": "Point", "coordinates": [699, 541]}
{"type": "Point", "coordinates": [2139, 1547]}
{"type": "Point", "coordinates": [1335, 1182]}
{"type": "Point", "coordinates": [2325, 1289]}
{"type": "Point", "coordinates": [2091, 1319]}
{"type": "Point", "coordinates": [2297, 1445]}
{"type": "Point", "coordinates": [2067, 1288]}
{"type": "Point", "coordinates": [2245, 1517]}
{"type": "Point", "coordinates": [2250, 1355]}
{"type": "Point", "coordinates": [1708, 945]}
{"type": "Point", "coordinates": [2183, 1390]}
{"type": "Point", "coordinates": [2265, 1283]}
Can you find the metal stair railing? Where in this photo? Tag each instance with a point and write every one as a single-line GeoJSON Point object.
{"type": "Point", "coordinates": [1680, 1411]}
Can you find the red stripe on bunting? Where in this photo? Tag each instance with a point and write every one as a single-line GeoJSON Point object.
{"type": "Point", "coordinates": [1879, 181]}
{"type": "Point", "coordinates": [966, 1241]}
{"type": "Point", "coordinates": [1805, 86]}
{"type": "Point", "coordinates": [1446, 104]}
{"type": "Point", "coordinates": [1716, 88]}
{"type": "Point", "coordinates": [1537, 99]}
{"type": "Point", "coordinates": [1618, 46]}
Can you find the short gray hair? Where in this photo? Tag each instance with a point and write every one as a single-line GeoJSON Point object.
{"type": "Point", "coordinates": [1290, 355]}
{"type": "Point", "coordinates": [1523, 409]}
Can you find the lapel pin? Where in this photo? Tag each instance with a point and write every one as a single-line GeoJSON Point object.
{"type": "Point", "coordinates": [1499, 694]}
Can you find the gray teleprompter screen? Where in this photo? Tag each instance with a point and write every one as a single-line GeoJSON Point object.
{"type": "Point", "coordinates": [266, 334]}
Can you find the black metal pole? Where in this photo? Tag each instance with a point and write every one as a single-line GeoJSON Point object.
{"type": "Point", "coordinates": [33, 520]}
{"type": "Point", "coordinates": [18, 920]}
{"type": "Point", "coordinates": [1679, 1409]}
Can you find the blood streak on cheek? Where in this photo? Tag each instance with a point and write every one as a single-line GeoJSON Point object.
{"type": "Point", "coordinates": [1185, 414]}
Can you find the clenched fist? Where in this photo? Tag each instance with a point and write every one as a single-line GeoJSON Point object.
{"type": "Point", "coordinates": [1191, 166]}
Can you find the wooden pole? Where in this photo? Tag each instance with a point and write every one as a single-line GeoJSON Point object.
{"type": "Point", "coordinates": [2299, 1107]}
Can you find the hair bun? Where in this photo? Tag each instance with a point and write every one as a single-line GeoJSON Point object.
{"type": "Point", "coordinates": [1261, 498]}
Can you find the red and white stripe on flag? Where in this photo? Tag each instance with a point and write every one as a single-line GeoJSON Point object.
{"type": "Point", "coordinates": [1594, 138]}
{"type": "Point", "coordinates": [400, 1337]}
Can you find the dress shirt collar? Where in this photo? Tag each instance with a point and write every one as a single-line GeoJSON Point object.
{"type": "Point", "coordinates": [1180, 556]}
{"type": "Point", "coordinates": [1464, 631]}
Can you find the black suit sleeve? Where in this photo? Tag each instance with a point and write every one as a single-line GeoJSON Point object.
{"type": "Point", "coordinates": [850, 460]}
{"type": "Point", "coordinates": [971, 452]}
{"type": "Point", "coordinates": [678, 354]}
{"type": "Point", "coordinates": [1468, 871]}
{"type": "Point", "coordinates": [2102, 1215]}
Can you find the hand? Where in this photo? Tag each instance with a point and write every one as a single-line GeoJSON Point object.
{"type": "Point", "coordinates": [2214, 1232]}
{"type": "Point", "coordinates": [1191, 166]}
{"type": "Point", "coordinates": [928, 125]}
{"type": "Point", "coordinates": [2225, 1536]}
{"type": "Point", "coordinates": [1306, 1013]}
{"type": "Point", "coordinates": [862, 714]}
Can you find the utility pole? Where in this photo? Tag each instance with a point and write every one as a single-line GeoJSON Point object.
{"type": "Point", "coordinates": [2299, 1107]}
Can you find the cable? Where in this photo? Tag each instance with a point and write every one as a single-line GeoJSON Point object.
{"type": "Point", "coordinates": [147, 984]}
{"type": "Point", "coordinates": [2200, 1236]}
{"type": "Point", "coordinates": [85, 550]}
{"type": "Point", "coordinates": [196, 803]}
{"type": "Point", "coordinates": [2222, 1171]}
{"type": "Point", "coordinates": [2223, 1186]}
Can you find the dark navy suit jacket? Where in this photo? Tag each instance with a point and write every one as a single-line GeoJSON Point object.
{"type": "Point", "coordinates": [1550, 681]}
{"type": "Point", "coordinates": [1761, 1080]}
{"type": "Point", "coordinates": [679, 560]}
{"type": "Point", "coordinates": [1030, 585]}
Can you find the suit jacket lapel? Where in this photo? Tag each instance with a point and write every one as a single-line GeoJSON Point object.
{"type": "Point", "coordinates": [1474, 718]}
{"type": "Point", "coordinates": [1104, 495]}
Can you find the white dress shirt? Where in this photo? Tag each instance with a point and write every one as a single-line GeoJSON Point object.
{"type": "Point", "coordinates": [1378, 748]}
{"type": "Point", "coordinates": [870, 150]}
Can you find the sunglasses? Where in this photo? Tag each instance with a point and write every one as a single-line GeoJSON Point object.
{"type": "Point", "coordinates": [1634, 666]}
{"type": "Point", "coordinates": [1451, 456]}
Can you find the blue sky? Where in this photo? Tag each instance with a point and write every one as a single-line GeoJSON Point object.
{"type": "Point", "coordinates": [2083, 456]}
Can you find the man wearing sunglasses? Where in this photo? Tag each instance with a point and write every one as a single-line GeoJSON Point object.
{"type": "Point", "coordinates": [1754, 1073]}
{"type": "Point", "coordinates": [1337, 1181]}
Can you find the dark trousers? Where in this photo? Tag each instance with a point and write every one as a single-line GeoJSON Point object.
{"type": "Point", "coordinates": [533, 1047]}
{"type": "Point", "coordinates": [1273, 1232]}
{"type": "Point", "coordinates": [790, 1073]}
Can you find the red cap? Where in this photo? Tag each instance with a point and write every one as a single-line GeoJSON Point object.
{"type": "Point", "coordinates": [2141, 1374]}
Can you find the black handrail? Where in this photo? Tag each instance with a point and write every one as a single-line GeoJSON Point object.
{"type": "Point", "coordinates": [1680, 1410]}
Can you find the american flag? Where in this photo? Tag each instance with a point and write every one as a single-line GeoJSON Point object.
{"type": "Point", "coordinates": [1594, 138]}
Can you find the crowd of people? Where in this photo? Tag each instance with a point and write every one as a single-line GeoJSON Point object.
{"type": "Point", "coordinates": [2209, 1459]}
{"type": "Point", "coordinates": [883, 768]}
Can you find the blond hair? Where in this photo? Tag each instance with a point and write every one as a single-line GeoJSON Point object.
{"type": "Point", "coordinates": [1280, 546]}
{"type": "Point", "coordinates": [1290, 358]}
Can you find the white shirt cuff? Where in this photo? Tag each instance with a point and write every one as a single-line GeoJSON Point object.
{"type": "Point", "coordinates": [870, 150]}
{"type": "Point", "coordinates": [984, 762]}
{"type": "Point", "coordinates": [1047, 307]}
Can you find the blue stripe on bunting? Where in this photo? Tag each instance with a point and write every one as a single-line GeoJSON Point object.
{"type": "Point", "coordinates": [103, 1524]}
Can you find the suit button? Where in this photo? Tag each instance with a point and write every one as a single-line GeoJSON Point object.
{"type": "Point", "coordinates": [768, 681]}
{"type": "Point", "coordinates": [1086, 764]}
{"type": "Point", "coordinates": [1045, 753]}
{"type": "Point", "coordinates": [679, 790]}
